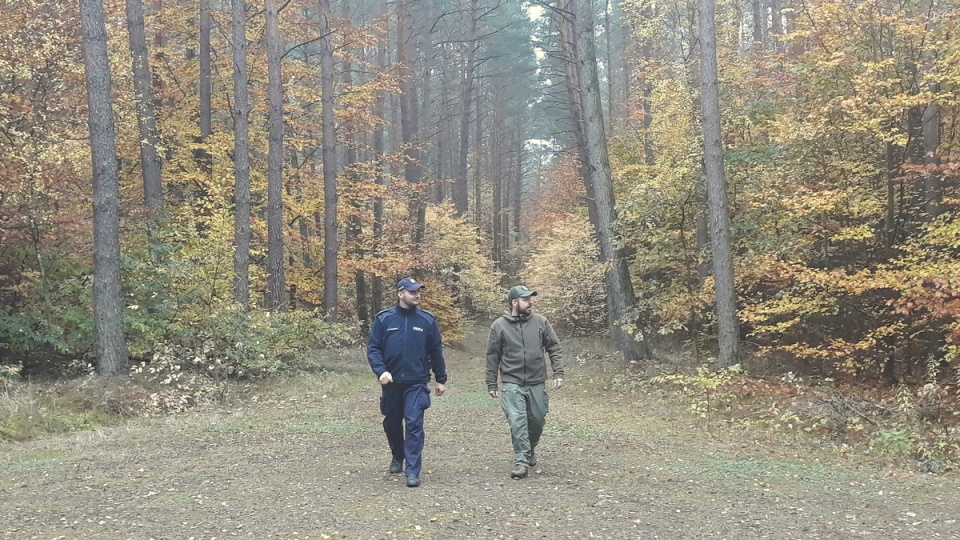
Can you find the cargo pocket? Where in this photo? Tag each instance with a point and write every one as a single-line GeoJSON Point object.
{"type": "Point", "coordinates": [423, 398]}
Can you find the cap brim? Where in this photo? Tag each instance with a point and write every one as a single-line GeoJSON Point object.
{"type": "Point", "coordinates": [412, 289]}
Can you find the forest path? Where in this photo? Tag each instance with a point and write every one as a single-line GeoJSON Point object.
{"type": "Point", "coordinates": [310, 462]}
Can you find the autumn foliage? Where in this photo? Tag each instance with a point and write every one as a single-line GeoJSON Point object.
{"type": "Point", "coordinates": [844, 204]}
{"type": "Point", "coordinates": [177, 291]}
{"type": "Point", "coordinates": [842, 155]}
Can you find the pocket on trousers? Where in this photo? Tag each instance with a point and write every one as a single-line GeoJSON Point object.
{"type": "Point", "coordinates": [423, 399]}
{"type": "Point", "coordinates": [383, 408]}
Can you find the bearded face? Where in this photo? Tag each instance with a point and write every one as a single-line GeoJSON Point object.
{"type": "Point", "coordinates": [523, 306]}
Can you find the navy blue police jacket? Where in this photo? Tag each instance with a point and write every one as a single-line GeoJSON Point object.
{"type": "Point", "coordinates": [407, 343]}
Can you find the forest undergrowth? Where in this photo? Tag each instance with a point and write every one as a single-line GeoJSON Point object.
{"type": "Point", "coordinates": [895, 425]}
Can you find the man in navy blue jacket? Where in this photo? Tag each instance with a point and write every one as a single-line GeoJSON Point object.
{"type": "Point", "coordinates": [404, 346]}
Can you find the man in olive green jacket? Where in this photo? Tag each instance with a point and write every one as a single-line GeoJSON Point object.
{"type": "Point", "coordinates": [515, 352]}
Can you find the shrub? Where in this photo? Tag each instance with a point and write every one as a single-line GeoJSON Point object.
{"type": "Point", "coordinates": [227, 343]}
{"type": "Point", "coordinates": [567, 274]}
{"type": "Point", "coordinates": [460, 277]}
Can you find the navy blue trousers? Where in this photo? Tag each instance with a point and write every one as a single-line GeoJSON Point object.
{"type": "Point", "coordinates": [402, 406]}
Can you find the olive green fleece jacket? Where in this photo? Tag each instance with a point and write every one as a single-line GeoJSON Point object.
{"type": "Point", "coordinates": [515, 350]}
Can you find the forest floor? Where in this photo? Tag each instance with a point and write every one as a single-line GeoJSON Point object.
{"type": "Point", "coordinates": [308, 460]}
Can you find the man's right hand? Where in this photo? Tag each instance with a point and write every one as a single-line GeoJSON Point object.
{"type": "Point", "coordinates": [386, 378]}
{"type": "Point", "coordinates": [494, 393]}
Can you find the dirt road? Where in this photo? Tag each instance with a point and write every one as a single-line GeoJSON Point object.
{"type": "Point", "coordinates": [309, 461]}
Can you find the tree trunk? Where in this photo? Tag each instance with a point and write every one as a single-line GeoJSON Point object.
{"type": "Point", "coordinates": [112, 355]}
{"type": "Point", "coordinates": [303, 224]}
{"type": "Point", "coordinates": [726, 294]}
{"type": "Point", "coordinates": [146, 115]}
{"type": "Point", "coordinates": [620, 296]}
{"type": "Point", "coordinates": [409, 115]}
{"type": "Point", "coordinates": [478, 164]}
{"type": "Point", "coordinates": [498, 179]}
{"type": "Point", "coordinates": [241, 157]}
{"type": "Point", "coordinates": [890, 219]}
{"type": "Point", "coordinates": [331, 226]}
{"type": "Point", "coordinates": [518, 185]}
{"type": "Point", "coordinates": [756, 6]}
{"type": "Point", "coordinates": [466, 92]}
{"type": "Point", "coordinates": [444, 130]}
{"type": "Point", "coordinates": [376, 287]}
{"type": "Point", "coordinates": [701, 217]}
{"type": "Point", "coordinates": [206, 109]}
{"type": "Point", "coordinates": [424, 42]}
{"type": "Point", "coordinates": [932, 180]}
{"type": "Point", "coordinates": [646, 97]}
{"type": "Point", "coordinates": [572, 83]}
{"type": "Point", "coordinates": [276, 287]}
{"type": "Point", "coordinates": [355, 225]}
{"type": "Point", "coordinates": [608, 53]}
{"type": "Point", "coordinates": [776, 24]}
{"type": "Point", "coordinates": [159, 55]}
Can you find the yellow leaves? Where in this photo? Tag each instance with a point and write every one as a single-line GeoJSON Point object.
{"type": "Point", "coordinates": [859, 232]}
{"type": "Point", "coordinates": [565, 264]}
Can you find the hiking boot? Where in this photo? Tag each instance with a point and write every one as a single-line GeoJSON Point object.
{"type": "Point", "coordinates": [519, 471]}
{"type": "Point", "coordinates": [413, 480]}
{"type": "Point", "coordinates": [396, 466]}
{"type": "Point", "coordinates": [532, 461]}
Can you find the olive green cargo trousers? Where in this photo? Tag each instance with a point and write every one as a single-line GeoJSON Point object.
{"type": "Point", "coordinates": [526, 410]}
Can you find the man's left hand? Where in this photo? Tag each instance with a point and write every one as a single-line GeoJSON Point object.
{"type": "Point", "coordinates": [440, 389]}
{"type": "Point", "coordinates": [557, 384]}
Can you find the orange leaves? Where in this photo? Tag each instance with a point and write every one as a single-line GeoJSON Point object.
{"type": "Point", "coordinates": [565, 194]}
{"type": "Point", "coordinates": [855, 321]}
{"type": "Point", "coordinates": [939, 297]}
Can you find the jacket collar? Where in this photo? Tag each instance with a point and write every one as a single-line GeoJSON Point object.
{"type": "Point", "coordinates": [405, 310]}
{"type": "Point", "coordinates": [508, 315]}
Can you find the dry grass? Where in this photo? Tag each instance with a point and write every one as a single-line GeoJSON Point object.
{"type": "Point", "coordinates": [31, 410]}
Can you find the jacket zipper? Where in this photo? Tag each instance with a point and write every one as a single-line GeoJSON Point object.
{"type": "Point", "coordinates": [523, 343]}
